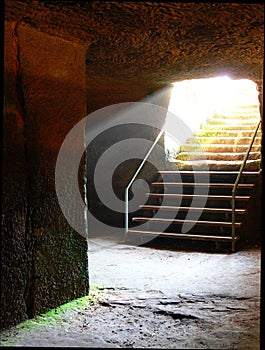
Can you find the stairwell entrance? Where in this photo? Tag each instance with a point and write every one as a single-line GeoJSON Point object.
{"type": "Point", "coordinates": [221, 112]}
{"type": "Point", "coordinates": [209, 180]}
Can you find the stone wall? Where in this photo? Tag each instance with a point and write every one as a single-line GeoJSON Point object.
{"type": "Point", "coordinates": [44, 262]}
{"type": "Point", "coordinates": [15, 241]}
{"type": "Point", "coordinates": [112, 92]}
{"type": "Point", "coordinates": [251, 230]}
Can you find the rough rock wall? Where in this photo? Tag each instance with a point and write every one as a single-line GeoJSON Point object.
{"type": "Point", "coordinates": [251, 230]}
{"type": "Point", "coordinates": [156, 43]}
{"type": "Point", "coordinates": [44, 260]}
{"type": "Point", "coordinates": [15, 242]}
{"type": "Point", "coordinates": [102, 93]}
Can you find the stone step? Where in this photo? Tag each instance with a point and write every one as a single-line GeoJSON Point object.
{"type": "Point", "coordinates": [254, 112]}
{"type": "Point", "coordinates": [196, 196]}
{"type": "Point", "coordinates": [232, 121]}
{"type": "Point", "coordinates": [218, 148]}
{"type": "Point", "coordinates": [200, 187]}
{"type": "Point", "coordinates": [225, 132]}
{"type": "Point", "coordinates": [209, 177]}
{"type": "Point", "coordinates": [232, 127]}
{"type": "Point", "coordinates": [202, 184]}
{"type": "Point", "coordinates": [220, 165]}
{"type": "Point", "coordinates": [190, 236]}
{"type": "Point", "coordinates": [209, 213]}
{"type": "Point", "coordinates": [239, 114]}
{"type": "Point", "coordinates": [224, 139]}
{"type": "Point", "coordinates": [226, 156]}
{"type": "Point", "coordinates": [212, 173]}
{"type": "Point", "coordinates": [182, 221]}
{"type": "Point", "coordinates": [191, 209]}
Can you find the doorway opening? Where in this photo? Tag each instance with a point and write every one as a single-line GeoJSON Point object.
{"type": "Point", "coordinates": [196, 100]}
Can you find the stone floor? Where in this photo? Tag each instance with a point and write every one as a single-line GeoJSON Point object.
{"type": "Point", "coordinates": [161, 296]}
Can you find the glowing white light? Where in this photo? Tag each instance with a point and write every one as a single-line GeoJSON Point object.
{"type": "Point", "coordinates": [198, 99]}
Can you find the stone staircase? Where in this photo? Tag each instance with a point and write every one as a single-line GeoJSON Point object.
{"type": "Point", "coordinates": [223, 142]}
{"type": "Point", "coordinates": [191, 198]}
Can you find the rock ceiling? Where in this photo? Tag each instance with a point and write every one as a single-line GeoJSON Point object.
{"type": "Point", "coordinates": [155, 42]}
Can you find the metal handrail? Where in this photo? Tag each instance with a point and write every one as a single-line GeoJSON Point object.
{"type": "Point", "coordinates": [132, 180]}
{"type": "Point", "coordinates": [236, 184]}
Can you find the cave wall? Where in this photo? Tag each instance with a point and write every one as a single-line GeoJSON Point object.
{"type": "Point", "coordinates": [45, 261]}
{"type": "Point", "coordinates": [14, 240]}
{"type": "Point", "coordinates": [251, 230]}
{"type": "Point", "coordinates": [106, 91]}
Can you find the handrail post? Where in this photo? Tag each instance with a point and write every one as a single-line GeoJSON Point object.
{"type": "Point", "coordinates": [236, 184]}
{"type": "Point", "coordinates": [126, 213]}
{"type": "Point", "coordinates": [233, 218]}
{"type": "Point", "coordinates": [132, 180]}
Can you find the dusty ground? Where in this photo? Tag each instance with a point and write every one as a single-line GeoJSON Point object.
{"type": "Point", "coordinates": [160, 298]}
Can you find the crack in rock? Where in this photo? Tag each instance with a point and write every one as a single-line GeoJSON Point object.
{"type": "Point", "coordinates": [175, 315]}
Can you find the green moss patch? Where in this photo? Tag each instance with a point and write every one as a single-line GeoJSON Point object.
{"type": "Point", "coordinates": [57, 315]}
